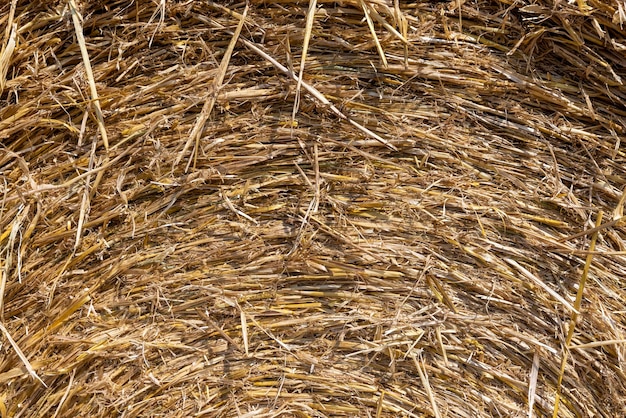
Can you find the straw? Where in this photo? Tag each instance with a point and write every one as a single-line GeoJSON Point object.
{"type": "Point", "coordinates": [281, 224]}
{"type": "Point", "coordinates": [77, 19]}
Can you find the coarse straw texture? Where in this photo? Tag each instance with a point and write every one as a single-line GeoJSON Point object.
{"type": "Point", "coordinates": [363, 208]}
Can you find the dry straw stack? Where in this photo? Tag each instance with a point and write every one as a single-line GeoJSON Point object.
{"type": "Point", "coordinates": [196, 221]}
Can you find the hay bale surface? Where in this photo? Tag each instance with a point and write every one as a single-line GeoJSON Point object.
{"type": "Point", "coordinates": [421, 236]}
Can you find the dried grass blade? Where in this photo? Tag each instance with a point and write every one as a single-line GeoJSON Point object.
{"type": "Point", "coordinates": [379, 404]}
{"type": "Point", "coordinates": [319, 96]}
{"type": "Point", "coordinates": [316, 167]}
{"type": "Point", "coordinates": [21, 355]}
{"type": "Point", "coordinates": [10, 19]}
{"type": "Point", "coordinates": [370, 24]}
{"type": "Point", "coordinates": [583, 279]}
{"type": "Point", "coordinates": [78, 28]}
{"type": "Point", "coordinates": [583, 7]}
{"type": "Point", "coordinates": [312, 90]}
{"type": "Point", "coordinates": [105, 164]}
{"type": "Point", "coordinates": [84, 205]}
{"type": "Point", "coordinates": [618, 212]}
{"type": "Point", "coordinates": [440, 292]}
{"type": "Point", "coordinates": [198, 127]}
{"type": "Point", "coordinates": [13, 230]}
{"type": "Point", "coordinates": [60, 319]}
{"type": "Point", "coordinates": [421, 370]}
{"type": "Point", "coordinates": [597, 344]}
{"type": "Point", "coordinates": [7, 50]}
{"type": "Point", "coordinates": [220, 331]}
{"type": "Point", "coordinates": [541, 284]}
{"type": "Point", "coordinates": [269, 334]}
{"type": "Point", "coordinates": [161, 12]}
{"type": "Point", "coordinates": [66, 394]}
{"type": "Point", "coordinates": [5, 56]}
{"type": "Point", "coordinates": [401, 22]}
{"type": "Point", "coordinates": [442, 347]}
{"type": "Point", "coordinates": [238, 212]}
{"type": "Point", "coordinates": [244, 331]}
{"type": "Point", "coordinates": [532, 384]}
{"type": "Point", "coordinates": [593, 230]}
{"type": "Point", "coordinates": [308, 30]}
{"type": "Point", "coordinates": [574, 317]}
